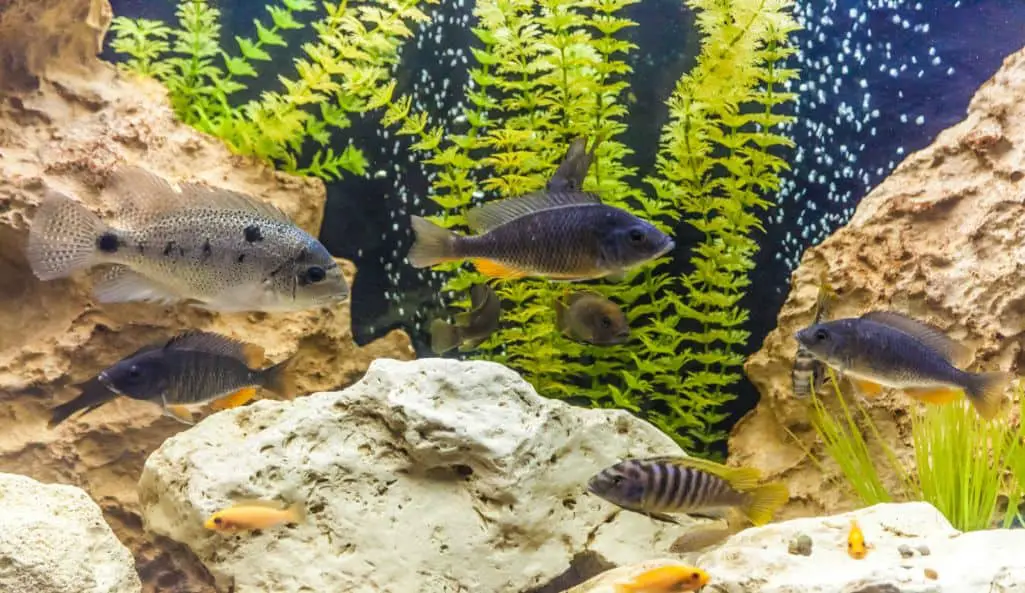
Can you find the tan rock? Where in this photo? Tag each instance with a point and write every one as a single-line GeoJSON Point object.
{"type": "Point", "coordinates": [941, 239]}
{"type": "Point", "coordinates": [66, 119]}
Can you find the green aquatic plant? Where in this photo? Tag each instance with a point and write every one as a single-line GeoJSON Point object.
{"type": "Point", "coordinates": [962, 463]}
{"type": "Point", "coordinates": [547, 71]}
{"type": "Point", "coordinates": [339, 75]}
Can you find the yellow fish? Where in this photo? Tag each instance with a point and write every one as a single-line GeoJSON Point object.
{"type": "Point", "coordinates": [255, 514]}
{"type": "Point", "coordinates": [856, 546]}
{"type": "Point", "coordinates": [665, 579]}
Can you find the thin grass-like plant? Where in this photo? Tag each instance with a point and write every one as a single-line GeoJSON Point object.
{"type": "Point", "coordinates": [961, 461]}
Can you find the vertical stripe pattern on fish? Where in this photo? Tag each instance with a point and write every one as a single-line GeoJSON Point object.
{"type": "Point", "coordinates": [659, 486]}
{"type": "Point", "coordinates": [809, 373]}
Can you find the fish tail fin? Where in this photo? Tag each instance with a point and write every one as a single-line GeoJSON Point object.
{"type": "Point", "coordinates": [764, 501]}
{"type": "Point", "coordinates": [297, 512]}
{"type": "Point", "coordinates": [63, 237]}
{"type": "Point", "coordinates": [433, 244]}
{"type": "Point", "coordinates": [986, 392]}
{"type": "Point", "coordinates": [444, 336]}
{"type": "Point", "coordinates": [280, 378]}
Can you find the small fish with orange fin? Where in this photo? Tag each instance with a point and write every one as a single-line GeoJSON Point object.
{"type": "Point", "coordinates": [660, 486]}
{"type": "Point", "coordinates": [887, 349]}
{"type": "Point", "coordinates": [673, 578]}
{"type": "Point", "coordinates": [250, 515]}
{"type": "Point", "coordinates": [194, 368]}
{"type": "Point", "coordinates": [856, 546]}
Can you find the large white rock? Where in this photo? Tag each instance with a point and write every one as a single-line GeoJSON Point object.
{"type": "Point", "coordinates": [757, 560]}
{"type": "Point", "coordinates": [426, 476]}
{"type": "Point", "coordinates": [53, 539]}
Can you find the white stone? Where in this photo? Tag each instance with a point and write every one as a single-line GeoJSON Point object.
{"type": "Point", "coordinates": [757, 560]}
{"type": "Point", "coordinates": [53, 539]}
{"type": "Point", "coordinates": [378, 468]}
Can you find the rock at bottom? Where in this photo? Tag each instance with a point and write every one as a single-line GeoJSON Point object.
{"type": "Point", "coordinates": [943, 559]}
{"type": "Point", "coordinates": [431, 476]}
{"type": "Point", "coordinates": [53, 540]}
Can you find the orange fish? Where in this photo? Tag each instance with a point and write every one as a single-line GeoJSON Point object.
{"type": "Point", "coordinates": [665, 579]}
{"type": "Point", "coordinates": [255, 514]}
{"type": "Point", "coordinates": [856, 546]}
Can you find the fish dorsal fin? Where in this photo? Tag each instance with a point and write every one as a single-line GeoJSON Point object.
{"type": "Point", "coordinates": [480, 294]}
{"type": "Point", "coordinates": [147, 196]}
{"type": "Point", "coordinates": [259, 502]}
{"type": "Point", "coordinates": [210, 343]}
{"type": "Point", "coordinates": [574, 166]}
{"type": "Point", "coordinates": [740, 478]}
{"type": "Point", "coordinates": [581, 295]}
{"type": "Point", "coordinates": [488, 216]}
{"type": "Point", "coordinates": [930, 335]}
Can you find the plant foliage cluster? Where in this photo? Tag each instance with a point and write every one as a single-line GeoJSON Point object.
{"type": "Point", "coordinates": [544, 72]}
{"type": "Point", "coordinates": [337, 76]}
{"type": "Point", "coordinates": [962, 464]}
{"type": "Point", "coordinates": [548, 71]}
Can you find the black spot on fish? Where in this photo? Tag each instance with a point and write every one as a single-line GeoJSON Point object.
{"type": "Point", "coordinates": [108, 243]}
{"type": "Point", "coordinates": [253, 234]}
{"type": "Point", "coordinates": [169, 248]}
{"type": "Point", "coordinates": [141, 247]}
{"type": "Point", "coordinates": [181, 251]}
{"type": "Point", "coordinates": [207, 250]}
{"type": "Point", "coordinates": [241, 257]}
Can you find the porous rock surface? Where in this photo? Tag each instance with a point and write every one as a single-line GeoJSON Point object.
{"type": "Point", "coordinates": [432, 476]}
{"type": "Point", "coordinates": [942, 559]}
{"type": "Point", "coordinates": [66, 120]}
{"type": "Point", "coordinates": [53, 539]}
{"type": "Point", "coordinates": [941, 239]}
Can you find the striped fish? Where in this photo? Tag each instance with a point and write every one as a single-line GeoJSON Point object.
{"type": "Point", "coordinates": [658, 486]}
{"type": "Point", "coordinates": [810, 373]}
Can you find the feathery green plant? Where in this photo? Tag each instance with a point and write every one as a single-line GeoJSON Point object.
{"type": "Point", "coordinates": [548, 71]}
{"type": "Point", "coordinates": [340, 74]}
{"type": "Point", "coordinates": [961, 466]}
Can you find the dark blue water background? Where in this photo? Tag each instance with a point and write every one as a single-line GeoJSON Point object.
{"type": "Point", "coordinates": [879, 80]}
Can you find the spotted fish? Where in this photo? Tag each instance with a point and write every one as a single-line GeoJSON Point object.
{"type": "Point", "coordinates": [887, 349]}
{"type": "Point", "coordinates": [659, 486]}
{"type": "Point", "coordinates": [218, 249]}
{"type": "Point", "coordinates": [809, 373]}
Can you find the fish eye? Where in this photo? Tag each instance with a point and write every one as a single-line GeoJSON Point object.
{"type": "Point", "coordinates": [636, 236]}
{"type": "Point", "coordinates": [606, 322]}
{"type": "Point", "coordinates": [218, 520]}
{"type": "Point", "coordinates": [617, 480]}
{"type": "Point", "coordinates": [133, 372]}
{"type": "Point", "coordinates": [821, 335]}
{"type": "Point", "coordinates": [315, 274]}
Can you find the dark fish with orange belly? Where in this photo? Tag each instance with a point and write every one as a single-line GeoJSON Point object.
{"type": "Point", "coordinates": [560, 236]}
{"type": "Point", "coordinates": [886, 349]}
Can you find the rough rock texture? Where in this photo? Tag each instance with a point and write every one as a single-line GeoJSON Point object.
{"type": "Point", "coordinates": [53, 540]}
{"type": "Point", "coordinates": [433, 475]}
{"type": "Point", "coordinates": [65, 120]}
{"type": "Point", "coordinates": [941, 239]}
{"type": "Point", "coordinates": [757, 561]}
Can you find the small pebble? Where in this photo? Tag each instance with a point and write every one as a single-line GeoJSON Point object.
{"type": "Point", "coordinates": [931, 574]}
{"type": "Point", "coordinates": [800, 545]}
{"type": "Point", "coordinates": [905, 551]}
{"type": "Point", "coordinates": [923, 550]}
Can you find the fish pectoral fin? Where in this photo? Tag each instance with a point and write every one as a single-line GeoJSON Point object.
{"type": "Point", "coordinates": [710, 515]}
{"type": "Point", "coordinates": [234, 400]}
{"type": "Point", "coordinates": [935, 395]}
{"type": "Point", "coordinates": [496, 270]}
{"type": "Point", "coordinates": [866, 388]}
{"type": "Point", "coordinates": [121, 284]}
{"type": "Point", "coordinates": [180, 413]}
{"type": "Point", "coordinates": [662, 517]}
